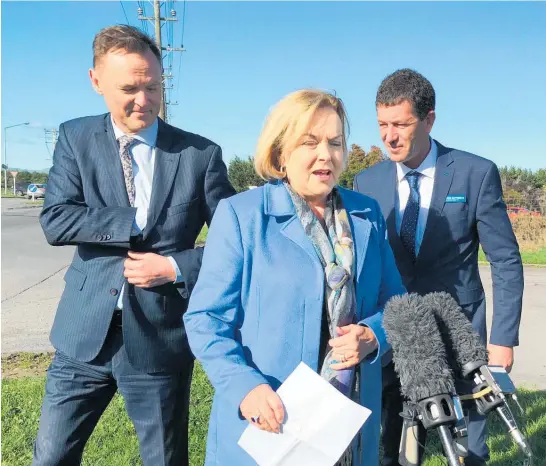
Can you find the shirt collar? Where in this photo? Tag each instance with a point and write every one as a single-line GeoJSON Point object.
{"type": "Point", "coordinates": [148, 135]}
{"type": "Point", "coordinates": [426, 168]}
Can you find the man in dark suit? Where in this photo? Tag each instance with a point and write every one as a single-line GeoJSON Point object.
{"type": "Point", "coordinates": [440, 205]}
{"type": "Point", "coordinates": [132, 193]}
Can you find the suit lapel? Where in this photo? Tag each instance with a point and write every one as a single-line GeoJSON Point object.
{"type": "Point", "coordinates": [293, 230]}
{"type": "Point", "coordinates": [361, 229]}
{"type": "Point", "coordinates": [166, 165]}
{"type": "Point", "coordinates": [388, 207]}
{"type": "Point", "coordinates": [108, 152]}
{"type": "Point", "coordinates": [443, 177]}
{"type": "Point", "coordinates": [278, 204]}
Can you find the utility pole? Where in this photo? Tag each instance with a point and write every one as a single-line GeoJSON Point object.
{"type": "Point", "coordinates": [157, 25]}
{"type": "Point", "coordinates": [5, 164]}
{"type": "Point", "coordinates": [51, 136]}
{"type": "Point", "coordinates": [157, 20]}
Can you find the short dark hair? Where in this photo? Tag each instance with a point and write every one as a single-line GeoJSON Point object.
{"type": "Point", "coordinates": [122, 37]}
{"type": "Point", "coordinates": [406, 84]}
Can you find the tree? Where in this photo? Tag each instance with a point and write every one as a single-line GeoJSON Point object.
{"type": "Point", "coordinates": [357, 161]}
{"type": "Point", "coordinates": [24, 176]}
{"type": "Point", "coordinates": [242, 174]}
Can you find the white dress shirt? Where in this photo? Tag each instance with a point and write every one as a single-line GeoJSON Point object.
{"type": "Point", "coordinates": [143, 154]}
{"type": "Point", "coordinates": [425, 186]}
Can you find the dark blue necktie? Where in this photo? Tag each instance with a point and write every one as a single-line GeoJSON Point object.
{"type": "Point", "coordinates": [408, 228]}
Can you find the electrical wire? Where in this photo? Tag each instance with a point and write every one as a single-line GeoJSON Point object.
{"type": "Point", "coordinates": [124, 12]}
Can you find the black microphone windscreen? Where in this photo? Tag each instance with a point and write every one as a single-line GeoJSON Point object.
{"type": "Point", "coordinates": [418, 349]}
{"type": "Point", "coordinates": [461, 339]}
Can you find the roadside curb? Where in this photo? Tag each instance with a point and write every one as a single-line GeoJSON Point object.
{"type": "Point", "coordinates": [524, 264]}
{"type": "Point", "coordinates": [25, 207]}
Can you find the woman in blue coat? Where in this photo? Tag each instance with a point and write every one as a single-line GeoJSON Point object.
{"type": "Point", "coordinates": [296, 270]}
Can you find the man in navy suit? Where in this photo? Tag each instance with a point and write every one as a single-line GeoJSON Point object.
{"type": "Point", "coordinates": [440, 205]}
{"type": "Point", "coordinates": [132, 193]}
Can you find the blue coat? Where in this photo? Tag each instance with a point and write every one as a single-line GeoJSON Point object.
{"type": "Point", "coordinates": [256, 310]}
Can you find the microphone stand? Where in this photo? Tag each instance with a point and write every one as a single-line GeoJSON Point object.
{"type": "Point", "coordinates": [441, 412]}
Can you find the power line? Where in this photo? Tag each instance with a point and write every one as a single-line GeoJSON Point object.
{"type": "Point", "coordinates": [51, 136]}
{"type": "Point", "coordinates": [124, 12]}
{"type": "Point", "coordinates": [181, 46]}
{"type": "Point", "coordinates": [158, 21]}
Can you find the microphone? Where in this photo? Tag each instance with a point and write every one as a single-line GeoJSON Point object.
{"type": "Point", "coordinates": [426, 380]}
{"type": "Point", "coordinates": [469, 358]}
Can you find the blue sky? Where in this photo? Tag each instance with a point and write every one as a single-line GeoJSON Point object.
{"type": "Point", "coordinates": [487, 62]}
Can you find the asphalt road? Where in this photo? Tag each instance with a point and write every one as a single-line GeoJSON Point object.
{"type": "Point", "coordinates": [32, 283]}
{"type": "Point", "coordinates": [32, 278]}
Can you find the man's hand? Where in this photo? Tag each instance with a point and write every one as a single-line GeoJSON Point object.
{"type": "Point", "coordinates": [146, 269]}
{"type": "Point", "coordinates": [501, 356]}
{"type": "Point", "coordinates": [352, 345]}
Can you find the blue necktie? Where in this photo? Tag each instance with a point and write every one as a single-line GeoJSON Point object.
{"type": "Point", "coordinates": [408, 229]}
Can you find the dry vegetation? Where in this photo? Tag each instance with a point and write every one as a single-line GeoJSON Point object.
{"type": "Point", "coordinates": [530, 231]}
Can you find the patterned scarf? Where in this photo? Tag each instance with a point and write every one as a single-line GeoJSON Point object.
{"type": "Point", "coordinates": [336, 253]}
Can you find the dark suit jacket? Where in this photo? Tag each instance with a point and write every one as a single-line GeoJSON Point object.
{"type": "Point", "coordinates": [87, 205]}
{"type": "Point", "coordinates": [448, 256]}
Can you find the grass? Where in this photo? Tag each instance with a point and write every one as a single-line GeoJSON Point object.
{"type": "Point", "coordinates": [114, 442]}
{"type": "Point", "coordinates": [202, 236]}
{"type": "Point", "coordinates": [529, 257]}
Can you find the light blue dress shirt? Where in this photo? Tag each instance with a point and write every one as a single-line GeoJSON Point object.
{"type": "Point", "coordinates": [427, 169]}
{"type": "Point", "coordinates": [143, 154]}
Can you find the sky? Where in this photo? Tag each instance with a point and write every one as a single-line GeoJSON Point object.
{"type": "Point", "coordinates": [486, 61]}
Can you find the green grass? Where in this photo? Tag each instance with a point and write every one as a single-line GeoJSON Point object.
{"type": "Point", "coordinates": [527, 257]}
{"type": "Point", "coordinates": [114, 442]}
{"type": "Point", "coordinates": [202, 235]}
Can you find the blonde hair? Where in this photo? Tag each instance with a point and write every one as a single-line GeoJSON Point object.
{"type": "Point", "coordinates": [288, 120]}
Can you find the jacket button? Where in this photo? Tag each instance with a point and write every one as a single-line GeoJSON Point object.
{"type": "Point", "coordinates": [113, 292]}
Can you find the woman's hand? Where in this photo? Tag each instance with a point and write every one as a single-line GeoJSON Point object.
{"type": "Point", "coordinates": [263, 408]}
{"type": "Point", "coordinates": [352, 345]}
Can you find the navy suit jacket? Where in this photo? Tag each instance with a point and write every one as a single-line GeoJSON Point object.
{"type": "Point", "coordinates": [87, 205]}
{"type": "Point", "coordinates": [448, 256]}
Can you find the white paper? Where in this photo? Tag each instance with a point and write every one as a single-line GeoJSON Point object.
{"type": "Point", "coordinates": [319, 425]}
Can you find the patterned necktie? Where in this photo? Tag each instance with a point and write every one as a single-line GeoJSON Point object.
{"type": "Point", "coordinates": [125, 143]}
{"type": "Point", "coordinates": [408, 229]}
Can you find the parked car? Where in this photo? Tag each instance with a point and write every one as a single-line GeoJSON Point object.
{"type": "Point", "coordinates": [21, 188]}
{"type": "Point", "coordinates": [36, 190]}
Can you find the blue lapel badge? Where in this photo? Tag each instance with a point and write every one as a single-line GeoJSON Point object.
{"type": "Point", "coordinates": [456, 198]}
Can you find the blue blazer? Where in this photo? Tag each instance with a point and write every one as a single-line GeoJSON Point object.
{"type": "Point", "coordinates": [256, 310]}
{"type": "Point", "coordinates": [87, 205]}
{"type": "Point", "coordinates": [467, 210]}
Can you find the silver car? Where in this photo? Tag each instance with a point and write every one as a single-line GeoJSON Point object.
{"type": "Point", "coordinates": [36, 190]}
